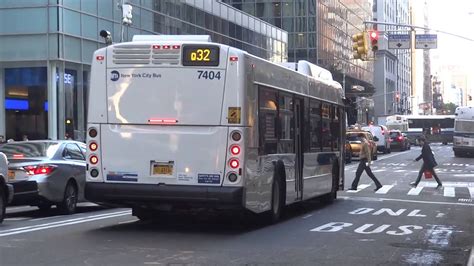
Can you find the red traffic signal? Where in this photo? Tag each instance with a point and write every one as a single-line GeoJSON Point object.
{"type": "Point", "coordinates": [374, 40]}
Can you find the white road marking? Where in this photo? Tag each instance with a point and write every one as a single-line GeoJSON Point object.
{"type": "Point", "coordinates": [128, 222]}
{"type": "Point", "coordinates": [307, 216]}
{"type": "Point", "coordinates": [464, 175]}
{"type": "Point", "coordinates": [415, 191]}
{"type": "Point", "coordinates": [359, 188]}
{"type": "Point", "coordinates": [384, 189]}
{"type": "Point", "coordinates": [428, 184]}
{"type": "Point", "coordinates": [38, 227]}
{"type": "Point", "coordinates": [449, 192]}
{"type": "Point", "coordinates": [403, 200]}
{"type": "Point", "coordinates": [378, 170]}
{"type": "Point", "coordinates": [399, 171]}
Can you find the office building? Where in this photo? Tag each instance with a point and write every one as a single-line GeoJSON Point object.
{"type": "Point", "coordinates": [46, 49]}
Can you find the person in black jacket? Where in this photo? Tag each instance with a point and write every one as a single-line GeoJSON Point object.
{"type": "Point", "coordinates": [429, 162]}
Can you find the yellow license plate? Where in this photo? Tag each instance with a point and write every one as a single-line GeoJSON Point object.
{"type": "Point", "coordinates": [11, 175]}
{"type": "Point", "coordinates": [162, 169]}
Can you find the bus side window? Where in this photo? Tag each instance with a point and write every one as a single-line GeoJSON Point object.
{"type": "Point", "coordinates": [326, 130]}
{"type": "Point", "coordinates": [267, 123]}
{"type": "Point", "coordinates": [286, 125]}
{"type": "Point", "coordinates": [315, 125]}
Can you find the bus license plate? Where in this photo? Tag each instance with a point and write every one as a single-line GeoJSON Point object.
{"type": "Point", "coordinates": [162, 168]}
{"type": "Point", "coordinates": [11, 175]}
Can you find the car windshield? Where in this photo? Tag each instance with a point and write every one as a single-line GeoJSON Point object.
{"type": "Point", "coordinates": [29, 149]}
{"type": "Point", "coordinates": [394, 134]}
{"type": "Point", "coordinates": [353, 137]}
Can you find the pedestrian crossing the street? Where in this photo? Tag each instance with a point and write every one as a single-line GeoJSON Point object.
{"type": "Point", "coordinates": [464, 191]}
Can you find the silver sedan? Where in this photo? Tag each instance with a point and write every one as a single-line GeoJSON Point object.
{"type": "Point", "coordinates": [47, 172]}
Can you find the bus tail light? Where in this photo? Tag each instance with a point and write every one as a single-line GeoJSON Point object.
{"type": "Point", "coordinates": [235, 150]}
{"type": "Point", "coordinates": [234, 163]}
{"type": "Point", "coordinates": [232, 177]}
{"type": "Point", "coordinates": [94, 159]}
{"type": "Point", "coordinates": [236, 136]}
{"type": "Point", "coordinates": [234, 58]}
{"type": "Point", "coordinates": [93, 146]}
{"type": "Point", "coordinates": [92, 132]}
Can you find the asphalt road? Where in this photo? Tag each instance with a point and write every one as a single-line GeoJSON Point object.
{"type": "Point", "coordinates": [395, 226]}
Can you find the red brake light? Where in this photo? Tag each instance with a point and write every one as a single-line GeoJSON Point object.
{"type": "Point", "coordinates": [162, 121]}
{"type": "Point", "coordinates": [234, 163]}
{"type": "Point", "coordinates": [400, 138]}
{"type": "Point", "coordinates": [39, 169]}
{"type": "Point", "coordinates": [100, 57]}
{"type": "Point", "coordinates": [166, 47]}
{"type": "Point", "coordinates": [176, 46]}
{"type": "Point", "coordinates": [156, 46]}
{"type": "Point", "coordinates": [17, 156]}
{"type": "Point", "coordinates": [234, 59]}
{"type": "Point", "coordinates": [93, 159]}
{"type": "Point", "coordinates": [93, 146]}
{"type": "Point", "coordinates": [235, 150]}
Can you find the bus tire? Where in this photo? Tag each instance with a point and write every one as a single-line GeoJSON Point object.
{"type": "Point", "coordinates": [278, 198]}
{"type": "Point", "coordinates": [331, 196]}
{"type": "Point", "coordinates": [143, 214]}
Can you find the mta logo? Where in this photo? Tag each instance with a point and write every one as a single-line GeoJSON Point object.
{"type": "Point", "coordinates": [114, 75]}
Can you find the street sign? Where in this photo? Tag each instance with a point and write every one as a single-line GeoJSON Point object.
{"type": "Point", "coordinates": [426, 41]}
{"type": "Point", "coordinates": [399, 41]}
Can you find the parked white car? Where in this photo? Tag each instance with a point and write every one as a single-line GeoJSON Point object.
{"type": "Point", "coordinates": [6, 190]}
{"type": "Point", "coordinates": [383, 135]}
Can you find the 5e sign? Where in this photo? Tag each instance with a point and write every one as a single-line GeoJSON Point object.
{"type": "Point", "coordinates": [371, 228]}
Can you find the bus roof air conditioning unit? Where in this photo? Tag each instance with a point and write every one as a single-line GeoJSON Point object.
{"type": "Point", "coordinates": [161, 38]}
{"type": "Point", "coordinates": [313, 70]}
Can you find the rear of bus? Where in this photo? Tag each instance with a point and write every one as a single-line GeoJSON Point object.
{"type": "Point", "coordinates": [463, 142]}
{"type": "Point", "coordinates": [166, 124]}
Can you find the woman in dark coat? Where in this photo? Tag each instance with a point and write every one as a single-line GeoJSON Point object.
{"type": "Point", "coordinates": [429, 163]}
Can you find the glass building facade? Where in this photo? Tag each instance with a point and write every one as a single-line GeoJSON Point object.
{"type": "Point", "coordinates": [320, 31]}
{"type": "Point", "coordinates": [46, 49]}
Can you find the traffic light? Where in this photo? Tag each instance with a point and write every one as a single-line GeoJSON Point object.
{"type": "Point", "coordinates": [397, 97]}
{"type": "Point", "coordinates": [69, 128]}
{"type": "Point", "coordinates": [359, 46]}
{"type": "Point", "coordinates": [374, 40]}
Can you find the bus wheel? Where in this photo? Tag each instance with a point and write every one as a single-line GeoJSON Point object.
{"type": "Point", "coordinates": [331, 196]}
{"type": "Point", "coordinates": [143, 214]}
{"type": "Point", "coordinates": [278, 200]}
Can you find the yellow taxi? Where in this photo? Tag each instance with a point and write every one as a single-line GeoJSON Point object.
{"type": "Point", "coordinates": [352, 137]}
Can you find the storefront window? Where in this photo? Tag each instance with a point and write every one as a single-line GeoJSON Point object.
{"type": "Point", "coordinates": [26, 104]}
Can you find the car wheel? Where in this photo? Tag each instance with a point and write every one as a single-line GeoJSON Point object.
{"type": "Point", "coordinates": [3, 204]}
{"type": "Point", "coordinates": [69, 203]}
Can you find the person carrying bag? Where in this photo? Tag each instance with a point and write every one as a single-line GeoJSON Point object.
{"type": "Point", "coordinates": [429, 163]}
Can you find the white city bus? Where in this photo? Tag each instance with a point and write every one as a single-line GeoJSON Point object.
{"type": "Point", "coordinates": [436, 128]}
{"type": "Point", "coordinates": [463, 143]}
{"type": "Point", "coordinates": [179, 121]}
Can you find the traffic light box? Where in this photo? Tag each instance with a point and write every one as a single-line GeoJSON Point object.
{"type": "Point", "coordinates": [69, 128]}
{"type": "Point", "coordinates": [360, 46]}
{"type": "Point", "coordinates": [374, 40]}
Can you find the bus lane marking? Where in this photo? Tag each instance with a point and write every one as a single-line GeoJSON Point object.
{"type": "Point", "coordinates": [471, 191]}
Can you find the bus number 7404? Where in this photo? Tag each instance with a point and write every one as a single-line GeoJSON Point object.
{"type": "Point", "coordinates": [204, 74]}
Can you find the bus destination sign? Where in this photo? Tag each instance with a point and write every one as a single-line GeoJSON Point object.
{"type": "Point", "coordinates": [200, 55]}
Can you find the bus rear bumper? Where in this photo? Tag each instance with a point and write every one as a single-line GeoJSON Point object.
{"type": "Point", "coordinates": [132, 195]}
{"type": "Point", "coordinates": [465, 149]}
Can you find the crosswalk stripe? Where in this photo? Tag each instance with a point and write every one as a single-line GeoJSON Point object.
{"type": "Point", "coordinates": [359, 188]}
{"type": "Point", "coordinates": [415, 191]}
{"type": "Point", "coordinates": [471, 191]}
{"type": "Point", "coordinates": [384, 189]}
{"type": "Point", "coordinates": [449, 192]}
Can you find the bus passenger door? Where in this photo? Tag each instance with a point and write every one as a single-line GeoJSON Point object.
{"type": "Point", "coordinates": [299, 148]}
